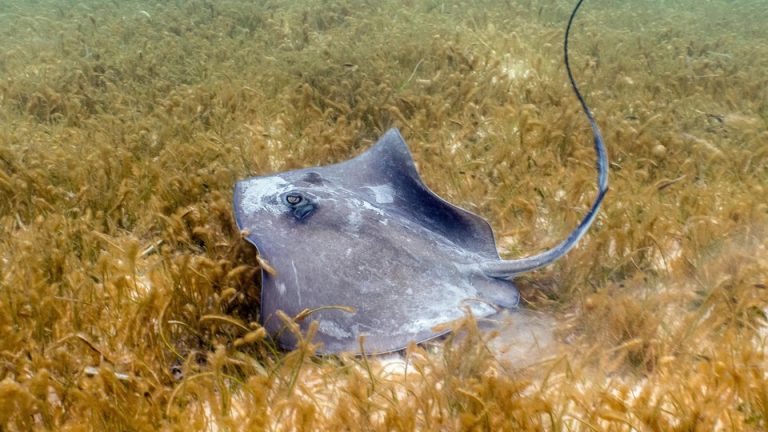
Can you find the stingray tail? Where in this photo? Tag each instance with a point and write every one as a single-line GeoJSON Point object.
{"type": "Point", "coordinates": [509, 268]}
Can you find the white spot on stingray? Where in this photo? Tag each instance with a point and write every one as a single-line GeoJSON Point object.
{"type": "Point", "coordinates": [356, 207]}
{"type": "Point", "coordinates": [255, 191]}
{"type": "Point", "coordinates": [442, 310]}
{"type": "Point", "coordinates": [383, 194]}
{"type": "Point", "coordinates": [331, 329]}
{"type": "Point", "coordinates": [368, 206]}
{"type": "Point", "coordinates": [355, 219]}
{"type": "Point", "coordinates": [422, 324]}
{"type": "Point", "coordinates": [296, 280]}
{"type": "Point", "coordinates": [281, 288]}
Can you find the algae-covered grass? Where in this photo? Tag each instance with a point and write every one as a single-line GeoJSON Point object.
{"type": "Point", "coordinates": [129, 301]}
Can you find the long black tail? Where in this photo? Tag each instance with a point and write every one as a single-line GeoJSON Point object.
{"type": "Point", "coordinates": [509, 268]}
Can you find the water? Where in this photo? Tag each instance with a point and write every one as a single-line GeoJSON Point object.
{"type": "Point", "coordinates": [124, 126]}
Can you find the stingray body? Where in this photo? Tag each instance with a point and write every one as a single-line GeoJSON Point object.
{"type": "Point", "coordinates": [364, 248]}
{"type": "Point", "coordinates": [372, 237]}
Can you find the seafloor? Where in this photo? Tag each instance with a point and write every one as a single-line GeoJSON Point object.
{"type": "Point", "coordinates": [129, 301]}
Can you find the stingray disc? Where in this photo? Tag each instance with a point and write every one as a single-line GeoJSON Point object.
{"type": "Point", "coordinates": [367, 234]}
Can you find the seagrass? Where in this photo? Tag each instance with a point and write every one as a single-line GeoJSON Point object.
{"type": "Point", "coordinates": [128, 298]}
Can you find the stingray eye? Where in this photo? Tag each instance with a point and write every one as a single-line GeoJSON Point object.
{"type": "Point", "coordinates": [293, 199]}
{"type": "Point", "coordinates": [300, 206]}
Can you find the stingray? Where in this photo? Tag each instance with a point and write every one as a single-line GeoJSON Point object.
{"type": "Point", "coordinates": [366, 249]}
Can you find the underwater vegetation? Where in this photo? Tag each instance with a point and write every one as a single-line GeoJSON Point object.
{"type": "Point", "coordinates": [129, 300]}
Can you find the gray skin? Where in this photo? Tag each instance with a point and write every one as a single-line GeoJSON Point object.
{"type": "Point", "coordinates": [364, 248]}
{"type": "Point", "coordinates": [367, 234]}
